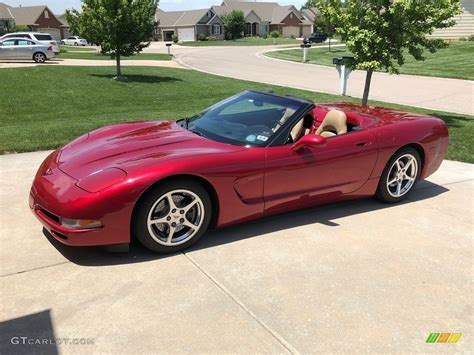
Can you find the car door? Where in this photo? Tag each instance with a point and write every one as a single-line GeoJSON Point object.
{"type": "Point", "coordinates": [7, 49]}
{"type": "Point", "coordinates": [24, 49]}
{"type": "Point", "coordinates": [339, 167]}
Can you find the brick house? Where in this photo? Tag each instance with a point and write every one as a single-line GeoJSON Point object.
{"type": "Point", "coordinates": [37, 18]}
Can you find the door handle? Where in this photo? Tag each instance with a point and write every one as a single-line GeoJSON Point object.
{"type": "Point", "coordinates": [362, 144]}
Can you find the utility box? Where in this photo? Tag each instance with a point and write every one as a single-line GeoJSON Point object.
{"type": "Point", "coordinates": [344, 66]}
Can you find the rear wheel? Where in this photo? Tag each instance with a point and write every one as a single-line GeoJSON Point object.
{"type": "Point", "coordinates": [400, 176]}
{"type": "Point", "coordinates": [39, 57]}
{"type": "Point", "coordinates": [172, 216]}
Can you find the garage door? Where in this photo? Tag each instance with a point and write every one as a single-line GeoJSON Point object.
{"type": "Point", "coordinates": [55, 32]}
{"type": "Point", "coordinates": [289, 31]}
{"type": "Point", "coordinates": [186, 34]}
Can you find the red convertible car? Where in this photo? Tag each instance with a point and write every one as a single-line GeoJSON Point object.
{"type": "Point", "coordinates": [249, 156]}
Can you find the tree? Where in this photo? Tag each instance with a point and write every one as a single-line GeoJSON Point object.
{"type": "Point", "coordinates": [322, 24]}
{"type": "Point", "coordinates": [379, 33]}
{"type": "Point", "coordinates": [234, 24]}
{"type": "Point", "coordinates": [120, 27]}
{"type": "Point", "coordinates": [13, 27]}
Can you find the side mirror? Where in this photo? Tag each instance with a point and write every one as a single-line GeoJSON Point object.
{"type": "Point", "coordinates": [310, 140]}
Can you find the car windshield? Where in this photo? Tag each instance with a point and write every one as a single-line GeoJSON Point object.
{"type": "Point", "coordinates": [249, 118]}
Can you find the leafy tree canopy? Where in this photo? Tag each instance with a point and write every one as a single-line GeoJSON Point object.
{"type": "Point", "coordinates": [380, 32]}
{"type": "Point", "coordinates": [120, 27]}
{"type": "Point", "coordinates": [234, 24]}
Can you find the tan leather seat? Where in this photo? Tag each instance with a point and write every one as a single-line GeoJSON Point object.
{"type": "Point", "coordinates": [301, 128]}
{"type": "Point", "coordinates": [334, 124]}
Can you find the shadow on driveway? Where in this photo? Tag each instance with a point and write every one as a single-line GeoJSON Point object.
{"type": "Point", "coordinates": [325, 214]}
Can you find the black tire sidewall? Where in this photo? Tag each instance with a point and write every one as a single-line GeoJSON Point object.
{"type": "Point", "coordinates": [382, 190]}
{"type": "Point", "coordinates": [139, 221]}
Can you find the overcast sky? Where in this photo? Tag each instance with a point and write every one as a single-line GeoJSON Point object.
{"type": "Point", "coordinates": [58, 6]}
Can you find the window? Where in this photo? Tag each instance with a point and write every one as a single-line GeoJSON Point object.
{"type": "Point", "coordinates": [43, 37]}
{"type": "Point", "coordinates": [249, 118]}
{"type": "Point", "coordinates": [10, 42]}
{"type": "Point", "coordinates": [24, 42]}
{"type": "Point", "coordinates": [46, 14]}
{"type": "Point", "coordinates": [216, 29]}
{"type": "Point", "coordinates": [210, 14]}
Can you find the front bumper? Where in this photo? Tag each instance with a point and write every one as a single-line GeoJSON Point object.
{"type": "Point", "coordinates": [54, 195]}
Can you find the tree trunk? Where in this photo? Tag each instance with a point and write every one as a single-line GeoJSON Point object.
{"type": "Point", "coordinates": [118, 67]}
{"type": "Point", "coordinates": [368, 79]}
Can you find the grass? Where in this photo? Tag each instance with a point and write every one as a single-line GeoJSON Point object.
{"type": "Point", "coordinates": [452, 62]}
{"type": "Point", "coordinates": [95, 56]}
{"type": "Point", "coordinates": [45, 107]}
{"type": "Point", "coordinates": [251, 41]}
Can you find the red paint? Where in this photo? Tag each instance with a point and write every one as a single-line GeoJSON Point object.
{"type": "Point", "coordinates": [249, 182]}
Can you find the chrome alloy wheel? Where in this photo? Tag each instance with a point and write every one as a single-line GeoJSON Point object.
{"type": "Point", "coordinates": [402, 175]}
{"type": "Point", "coordinates": [175, 217]}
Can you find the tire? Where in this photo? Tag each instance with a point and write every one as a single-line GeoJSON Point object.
{"type": "Point", "coordinates": [39, 57]}
{"type": "Point", "coordinates": [76, 44]}
{"type": "Point", "coordinates": [191, 206]}
{"type": "Point", "coordinates": [399, 176]}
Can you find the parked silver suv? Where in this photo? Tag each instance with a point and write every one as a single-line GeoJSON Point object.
{"type": "Point", "coordinates": [44, 38]}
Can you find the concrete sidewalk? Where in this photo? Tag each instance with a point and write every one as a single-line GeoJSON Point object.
{"type": "Point", "coordinates": [353, 277]}
{"type": "Point", "coordinates": [91, 63]}
{"type": "Point", "coordinates": [249, 63]}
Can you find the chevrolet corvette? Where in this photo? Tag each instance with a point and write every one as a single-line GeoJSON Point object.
{"type": "Point", "coordinates": [252, 155]}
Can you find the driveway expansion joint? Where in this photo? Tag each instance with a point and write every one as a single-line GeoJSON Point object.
{"type": "Point", "coordinates": [280, 339]}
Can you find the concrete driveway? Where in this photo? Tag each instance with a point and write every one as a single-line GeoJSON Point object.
{"type": "Point", "coordinates": [352, 277]}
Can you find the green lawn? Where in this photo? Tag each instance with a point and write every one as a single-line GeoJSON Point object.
{"type": "Point", "coordinates": [44, 107]}
{"type": "Point", "coordinates": [94, 56]}
{"type": "Point", "coordinates": [456, 61]}
{"type": "Point", "coordinates": [65, 48]}
{"type": "Point", "coordinates": [241, 42]}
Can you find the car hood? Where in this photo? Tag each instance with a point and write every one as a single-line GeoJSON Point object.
{"type": "Point", "coordinates": [128, 145]}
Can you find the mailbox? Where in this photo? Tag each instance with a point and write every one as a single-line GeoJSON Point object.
{"type": "Point", "coordinates": [344, 66]}
{"type": "Point", "coordinates": [306, 46]}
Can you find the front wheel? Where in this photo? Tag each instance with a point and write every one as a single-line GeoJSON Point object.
{"type": "Point", "coordinates": [400, 176]}
{"type": "Point", "coordinates": [39, 57]}
{"type": "Point", "coordinates": [172, 216]}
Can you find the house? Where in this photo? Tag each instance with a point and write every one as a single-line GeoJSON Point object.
{"type": "Point", "coordinates": [264, 17]}
{"type": "Point", "coordinates": [464, 24]}
{"type": "Point", "coordinates": [6, 18]}
{"type": "Point", "coordinates": [188, 25]}
{"type": "Point", "coordinates": [310, 14]}
{"type": "Point", "coordinates": [37, 18]}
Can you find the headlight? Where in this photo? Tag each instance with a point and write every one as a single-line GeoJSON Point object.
{"type": "Point", "coordinates": [102, 179]}
{"type": "Point", "coordinates": [80, 223]}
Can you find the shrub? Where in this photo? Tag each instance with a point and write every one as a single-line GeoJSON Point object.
{"type": "Point", "coordinates": [212, 38]}
{"type": "Point", "coordinates": [265, 36]}
{"type": "Point", "coordinates": [471, 38]}
{"type": "Point", "coordinates": [174, 38]}
{"type": "Point", "coordinates": [274, 34]}
{"type": "Point", "coordinates": [293, 37]}
{"type": "Point", "coordinates": [463, 39]}
{"type": "Point", "coordinates": [202, 37]}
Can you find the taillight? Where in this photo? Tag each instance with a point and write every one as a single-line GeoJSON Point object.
{"type": "Point", "coordinates": [50, 48]}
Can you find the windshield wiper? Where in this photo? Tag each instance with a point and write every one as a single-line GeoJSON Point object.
{"type": "Point", "coordinates": [200, 134]}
